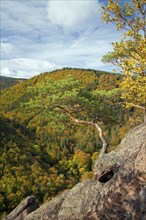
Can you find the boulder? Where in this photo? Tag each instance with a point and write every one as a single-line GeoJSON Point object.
{"type": "Point", "coordinates": [27, 206]}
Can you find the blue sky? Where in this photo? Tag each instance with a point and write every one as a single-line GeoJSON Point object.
{"type": "Point", "coordinates": [43, 35]}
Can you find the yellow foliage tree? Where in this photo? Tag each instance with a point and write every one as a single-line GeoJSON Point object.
{"type": "Point", "coordinates": [130, 53]}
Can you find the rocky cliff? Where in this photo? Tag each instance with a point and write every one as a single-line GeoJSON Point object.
{"type": "Point", "coordinates": [118, 191]}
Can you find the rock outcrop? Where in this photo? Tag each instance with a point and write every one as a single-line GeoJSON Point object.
{"type": "Point", "coordinates": [118, 191]}
{"type": "Point", "coordinates": [27, 206]}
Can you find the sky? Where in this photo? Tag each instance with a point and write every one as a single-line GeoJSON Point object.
{"type": "Point", "coordinates": [43, 35]}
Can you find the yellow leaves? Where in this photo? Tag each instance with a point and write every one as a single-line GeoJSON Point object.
{"type": "Point", "coordinates": [112, 7]}
{"type": "Point", "coordinates": [130, 53]}
{"type": "Point", "coordinates": [134, 90]}
{"type": "Point", "coordinates": [128, 33]}
{"type": "Point", "coordinates": [128, 15]}
{"type": "Point", "coordinates": [87, 175]}
{"type": "Point", "coordinates": [82, 160]}
{"type": "Point", "coordinates": [134, 121]}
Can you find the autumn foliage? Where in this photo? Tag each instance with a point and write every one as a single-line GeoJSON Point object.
{"type": "Point", "coordinates": [42, 151]}
{"type": "Point", "coordinates": [130, 53]}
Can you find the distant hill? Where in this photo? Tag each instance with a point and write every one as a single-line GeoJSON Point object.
{"type": "Point", "coordinates": [6, 82]}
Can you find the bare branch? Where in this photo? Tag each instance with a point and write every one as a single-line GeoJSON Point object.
{"type": "Point", "coordinates": [133, 105]}
{"type": "Point", "coordinates": [136, 106]}
{"type": "Point", "coordinates": [91, 123]}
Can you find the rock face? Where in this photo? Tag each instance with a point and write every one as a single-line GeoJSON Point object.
{"type": "Point", "coordinates": [118, 191]}
{"type": "Point", "coordinates": [27, 206]}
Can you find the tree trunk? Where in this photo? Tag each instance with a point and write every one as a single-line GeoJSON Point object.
{"type": "Point", "coordinates": [104, 142]}
{"type": "Point", "coordinates": [99, 129]}
{"type": "Point", "coordinates": [144, 112]}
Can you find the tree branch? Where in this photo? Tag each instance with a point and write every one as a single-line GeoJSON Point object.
{"type": "Point", "coordinates": [136, 106]}
{"type": "Point", "coordinates": [133, 105]}
{"type": "Point", "coordinates": [91, 123]}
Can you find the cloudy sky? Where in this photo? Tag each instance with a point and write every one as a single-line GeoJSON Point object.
{"type": "Point", "coordinates": [43, 35]}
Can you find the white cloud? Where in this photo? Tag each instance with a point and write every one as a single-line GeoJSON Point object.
{"type": "Point", "coordinates": [24, 16]}
{"type": "Point", "coordinates": [5, 71]}
{"type": "Point", "coordinates": [8, 50]}
{"type": "Point", "coordinates": [25, 67]}
{"type": "Point", "coordinates": [73, 15]}
{"type": "Point", "coordinates": [40, 35]}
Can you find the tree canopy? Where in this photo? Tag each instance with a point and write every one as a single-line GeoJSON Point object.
{"type": "Point", "coordinates": [81, 105]}
{"type": "Point", "coordinates": [130, 53]}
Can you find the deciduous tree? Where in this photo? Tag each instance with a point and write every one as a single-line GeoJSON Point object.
{"type": "Point", "coordinates": [130, 53]}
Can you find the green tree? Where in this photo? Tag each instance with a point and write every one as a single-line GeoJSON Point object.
{"type": "Point", "coordinates": [130, 53]}
{"type": "Point", "coordinates": [82, 160]}
{"type": "Point", "coordinates": [69, 100]}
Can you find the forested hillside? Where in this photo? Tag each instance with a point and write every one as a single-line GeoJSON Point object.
{"type": "Point", "coordinates": [42, 150]}
{"type": "Point", "coordinates": [6, 82]}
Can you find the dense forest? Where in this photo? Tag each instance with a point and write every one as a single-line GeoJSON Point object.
{"type": "Point", "coordinates": [43, 151]}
